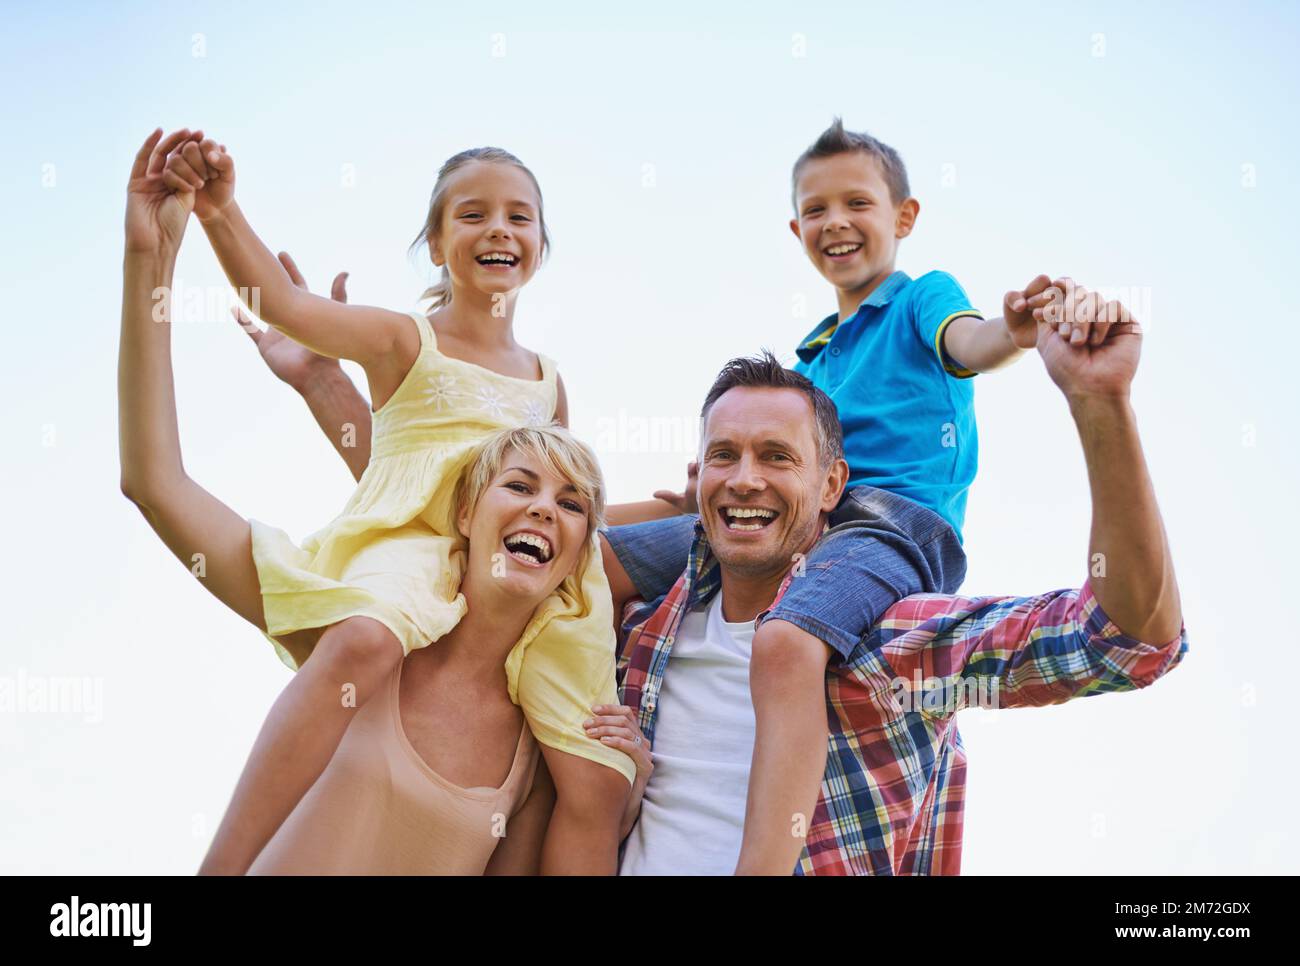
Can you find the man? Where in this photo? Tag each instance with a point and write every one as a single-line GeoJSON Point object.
{"type": "Point", "coordinates": [888, 796]}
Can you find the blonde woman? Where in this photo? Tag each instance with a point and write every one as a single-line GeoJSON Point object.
{"type": "Point", "coordinates": [430, 769]}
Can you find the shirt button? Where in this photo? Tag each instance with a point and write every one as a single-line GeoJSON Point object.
{"type": "Point", "coordinates": [835, 350]}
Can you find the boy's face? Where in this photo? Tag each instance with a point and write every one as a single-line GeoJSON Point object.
{"type": "Point", "coordinates": [848, 223]}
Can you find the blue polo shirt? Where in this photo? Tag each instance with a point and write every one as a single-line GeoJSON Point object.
{"type": "Point", "coordinates": [907, 408]}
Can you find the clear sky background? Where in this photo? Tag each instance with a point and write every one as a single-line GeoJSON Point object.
{"type": "Point", "coordinates": [1145, 149]}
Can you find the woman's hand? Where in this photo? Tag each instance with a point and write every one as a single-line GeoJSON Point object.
{"type": "Point", "coordinates": [291, 362]}
{"type": "Point", "coordinates": [207, 168]}
{"type": "Point", "coordinates": [615, 725]}
{"type": "Point", "coordinates": [157, 203]}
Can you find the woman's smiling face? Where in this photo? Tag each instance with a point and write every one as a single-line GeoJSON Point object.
{"type": "Point", "coordinates": [527, 531]}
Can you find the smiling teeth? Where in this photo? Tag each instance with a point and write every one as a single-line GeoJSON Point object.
{"type": "Point", "coordinates": [842, 249]}
{"type": "Point", "coordinates": [533, 541]}
{"type": "Point", "coordinates": [735, 514]}
{"type": "Point", "coordinates": [498, 257]}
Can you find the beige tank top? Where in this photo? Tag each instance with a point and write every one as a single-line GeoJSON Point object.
{"type": "Point", "coordinates": [379, 809]}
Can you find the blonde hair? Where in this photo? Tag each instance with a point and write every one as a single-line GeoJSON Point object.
{"type": "Point", "coordinates": [555, 448]}
{"type": "Point", "coordinates": [440, 293]}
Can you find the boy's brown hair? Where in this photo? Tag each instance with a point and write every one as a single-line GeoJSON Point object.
{"type": "Point", "coordinates": [835, 140]}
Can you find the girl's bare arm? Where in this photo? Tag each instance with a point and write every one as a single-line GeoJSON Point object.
{"type": "Point", "coordinates": [376, 338]}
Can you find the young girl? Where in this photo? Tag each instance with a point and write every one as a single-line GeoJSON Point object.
{"type": "Point", "coordinates": [381, 579]}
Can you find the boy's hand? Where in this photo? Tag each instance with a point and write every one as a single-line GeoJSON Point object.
{"type": "Point", "coordinates": [1018, 311]}
{"type": "Point", "coordinates": [210, 171]}
{"type": "Point", "coordinates": [291, 362]}
{"type": "Point", "coordinates": [688, 500]}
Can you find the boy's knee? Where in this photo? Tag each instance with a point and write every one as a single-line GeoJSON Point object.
{"type": "Point", "coordinates": [357, 646]}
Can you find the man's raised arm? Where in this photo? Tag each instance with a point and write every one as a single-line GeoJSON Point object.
{"type": "Point", "coordinates": [341, 412]}
{"type": "Point", "coordinates": [343, 415]}
{"type": "Point", "coordinates": [1123, 629]}
{"type": "Point", "coordinates": [1130, 567]}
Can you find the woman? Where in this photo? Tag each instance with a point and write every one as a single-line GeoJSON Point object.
{"type": "Point", "coordinates": [432, 772]}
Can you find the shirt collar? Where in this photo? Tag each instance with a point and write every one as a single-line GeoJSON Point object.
{"type": "Point", "coordinates": [815, 341]}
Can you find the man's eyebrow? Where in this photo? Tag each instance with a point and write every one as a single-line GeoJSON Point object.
{"type": "Point", "coordinates": [536, 479]}
{"type": "Point", "coordinates": [770, 443]}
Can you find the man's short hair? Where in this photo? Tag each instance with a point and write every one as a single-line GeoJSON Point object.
{"type": "Point", "coordinates": [765, 371]}
{"type": "Point", "coordinates": [835, 140]}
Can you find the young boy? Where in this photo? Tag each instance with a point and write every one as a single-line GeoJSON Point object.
{"type": "Point", "coordinates": [896, 359]}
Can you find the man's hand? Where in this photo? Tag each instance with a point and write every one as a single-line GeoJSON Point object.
{"type": "Point", "coordinates": [1018, 311]}
{"type": "Point", "coordinates": [1090, 347]}
{"type": "Point", "coordinates": [292, 362]}
{"type": "Point", "coordinates": [688, 500]}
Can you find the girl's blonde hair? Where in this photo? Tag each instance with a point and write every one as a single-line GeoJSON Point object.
{"type": "Point", "coordinates": [553, 447]}
{"type": "Point", "coordinates": [440, 293]}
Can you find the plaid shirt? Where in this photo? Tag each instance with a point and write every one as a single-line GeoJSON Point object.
{"type": "Point", "coordinates": [892, 797]}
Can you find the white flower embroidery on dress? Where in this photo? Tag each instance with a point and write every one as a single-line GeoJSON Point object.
{"type": "Point", "coordinates": [441, 389]}
{"type": "Point", "coordinates": [534, 413]}
{"type": "Point", "coordinates": [491, 401]}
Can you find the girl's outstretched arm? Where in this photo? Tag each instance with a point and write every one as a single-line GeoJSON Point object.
{"type": "Point", "coordinates": [205, 534]}
{"type": "Point", "coordinates": [379, 339]}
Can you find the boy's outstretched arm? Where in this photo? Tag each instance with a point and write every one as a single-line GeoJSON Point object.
{"type": "Point", "coordinates": [787, 683]}
{"type": "Point", "coordinates": [372, 336]}
{"type": "Point", "coordinates": [983, 346]}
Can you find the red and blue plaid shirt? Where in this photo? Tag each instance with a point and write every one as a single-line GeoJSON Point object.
{"type": "Point", "coordinates": [892, 798]}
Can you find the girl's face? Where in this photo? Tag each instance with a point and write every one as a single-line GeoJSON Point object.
{"type": "Point", "coordinates": [490, 238]}
{"type": "Point", "coordinates": [527, 530]}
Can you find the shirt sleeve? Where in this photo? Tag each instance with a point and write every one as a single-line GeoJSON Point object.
{"type": "Point", "coordinates": [936, 300]}
{"type": "Point", "coordinates": [654, 552]}
{"type": "Point", "coordinates": [947, 653]}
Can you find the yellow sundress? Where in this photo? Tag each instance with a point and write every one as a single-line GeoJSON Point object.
{"type": "Point", "coordinates": [393, 553]}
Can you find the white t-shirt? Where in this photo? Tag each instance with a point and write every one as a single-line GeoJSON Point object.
{"type": "Point", "coordinates": [693, 813]}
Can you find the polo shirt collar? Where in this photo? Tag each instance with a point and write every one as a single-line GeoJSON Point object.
{"type": "Point", "coordinates": [879, 298]}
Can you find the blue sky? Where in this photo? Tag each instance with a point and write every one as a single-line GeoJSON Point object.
{"type": "Point", "coordinates": [1146, 149]}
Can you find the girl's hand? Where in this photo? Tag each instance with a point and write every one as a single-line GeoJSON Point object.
{"type": "Point", "coordinates": [291, 362]}
{"type": "Point", "coordinates": [615, 725]}
{"type": "Point", "coordinates": [157, 203]}
{"type": "Point", "coordinates": [210, 171]}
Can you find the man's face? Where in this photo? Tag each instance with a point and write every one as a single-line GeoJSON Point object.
{"type": "Point", "coordinates": [846, 219]}
{"type": "Point", "coordinates": [761, 490]}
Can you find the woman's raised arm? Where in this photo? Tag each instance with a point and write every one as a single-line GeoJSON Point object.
{"type": "Point", "coordinates": [206, 535]}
